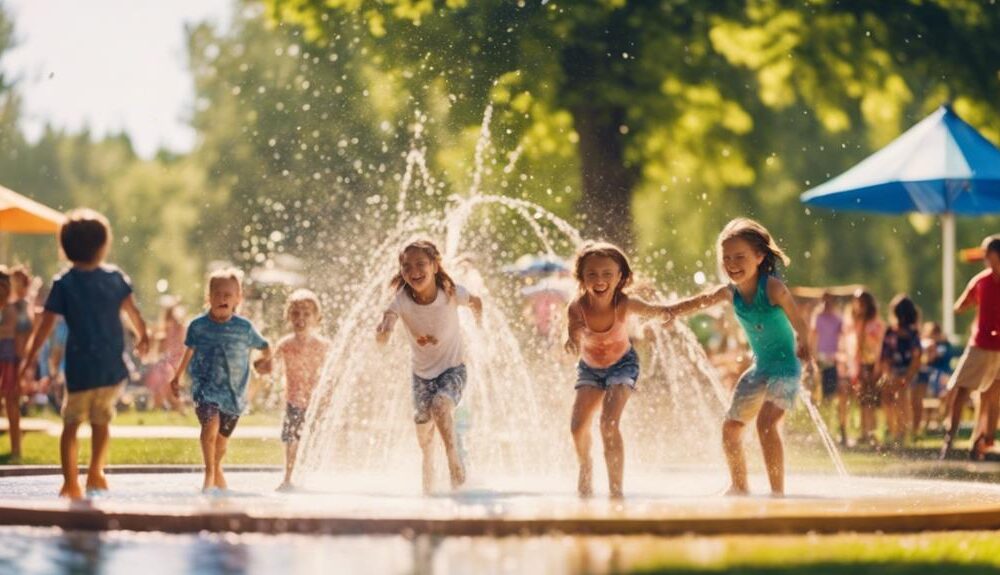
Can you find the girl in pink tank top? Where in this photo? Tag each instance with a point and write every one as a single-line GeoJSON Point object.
{"type": "Point", "coordinates": [609, 367]}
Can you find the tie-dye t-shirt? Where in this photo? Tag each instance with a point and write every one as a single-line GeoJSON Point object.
{"type": "Point", "coordinates": [220, 366]}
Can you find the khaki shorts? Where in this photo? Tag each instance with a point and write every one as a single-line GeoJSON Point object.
{"type": "Point", "coordinates": [94, 405]}
{"type": "Point", "coordinates": [976, 369]}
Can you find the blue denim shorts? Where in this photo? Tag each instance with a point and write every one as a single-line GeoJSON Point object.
{"type": "Point", "coordinates": [450, 383]}
{"type": "Point", "coordinates": [754, 388]}
{"type": "Point", "coordinates": [625, 371]}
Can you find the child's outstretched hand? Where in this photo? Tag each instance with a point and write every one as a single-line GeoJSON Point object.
{"type": "Point", "coordinates": [571, 347]}
{"type": "Point", "coordinates": [263, 365]}
{"type": "Point", "coordinates": [175, 386]}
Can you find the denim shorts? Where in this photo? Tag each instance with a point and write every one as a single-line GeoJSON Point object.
{"type": "Point", "coordinates": [754, 388]}
{"type": "Point", "coordinates": [625, 371]}
{"type": "Point", "coordinates": [449, 383]}
{"type": "Point", "coordinates": [227, 421]}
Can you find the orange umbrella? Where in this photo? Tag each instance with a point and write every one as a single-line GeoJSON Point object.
{"type": "Point", "coordinates": [21, 215]}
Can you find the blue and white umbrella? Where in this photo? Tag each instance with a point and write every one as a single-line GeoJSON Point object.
{"type": "Point", "coordinates": [940, 166]}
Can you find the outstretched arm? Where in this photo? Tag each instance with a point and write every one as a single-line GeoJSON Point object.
{"type": "Point", "coordinates": [384, 329]}
{"type": "Point", "coordinates": [645, 309]}
{"type": "Point", "coordinates": [575, 326]}
{"type": "Point", "coordinates": [967, 301]}
{"type": "Point", "coordinates": [707, 298]}
{"type": "Point", "coordinates": [778, 294]}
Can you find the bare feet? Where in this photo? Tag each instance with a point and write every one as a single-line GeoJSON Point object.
{"type": "Point", "coordinates": [616, 495]}
{"type": "Point", "coordinates": [734, 491]}
{"type": "Point", "coordinates": [71, 490]}
{"type": "Point", "coordinates": [456, 469]}
{"type": "Point", "coordinates": [97, 481]}
{"type": "Point", "coordinates": [285, 487]}
{"type": "Point", "coordinates": [585, 484]}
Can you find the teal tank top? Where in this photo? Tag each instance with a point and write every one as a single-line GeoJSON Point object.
{"type": "Point", "coordinates": [768, 331]}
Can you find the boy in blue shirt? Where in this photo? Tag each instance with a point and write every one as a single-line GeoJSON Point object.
{"type": "Point", "coordinates": [218, 344]}
{"type": "Point", "coordinates": [90, 296]}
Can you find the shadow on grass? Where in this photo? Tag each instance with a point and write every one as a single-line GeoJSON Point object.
{"type": "Point", "coordinates": [874, 568]}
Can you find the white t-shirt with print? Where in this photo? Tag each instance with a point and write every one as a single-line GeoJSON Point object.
{"type": "Point", "coordinates": [435, 337]}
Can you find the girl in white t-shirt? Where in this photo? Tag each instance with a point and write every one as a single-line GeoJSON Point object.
{"type": "Point", "coordinates": [427, 301]}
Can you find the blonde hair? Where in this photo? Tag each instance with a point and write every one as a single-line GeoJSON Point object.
{"type": "Point", "coordinates": [604, 250]}
{"type": "Point", "coordinates": [303, 295]}
{"type": "Point", "coordinates": [441, 278]}
{"type": "Point", "coordinates": [759, 239]}
{"type": "Point", "coordinates": [225, 274]}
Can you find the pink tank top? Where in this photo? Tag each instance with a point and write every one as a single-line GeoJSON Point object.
{"type": "Point", "coordinates": [601, 349]}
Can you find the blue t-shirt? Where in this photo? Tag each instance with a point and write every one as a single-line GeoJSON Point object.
{"type": "Point", "coordinates": [91, 302]}
{"type": "Point", "coordinates": [220, 366]}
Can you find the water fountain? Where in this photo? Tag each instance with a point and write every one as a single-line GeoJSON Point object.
{"type": "Point", "coordinates": [359, 460]}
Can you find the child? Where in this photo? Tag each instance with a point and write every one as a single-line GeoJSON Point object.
{"type": "Point", "coordinates": [10, 383]}
{"type": "Point", "coordinates": [868, 341]}
{"type": "Point", "coordinates": [427, 300]}
{"type": "Point", "coordinates": [170, 338]}
{"type": "Point", "coordinates": [609, 367]}
{"type": "Point", "coordinates": [218, 345]}
{"type": "Point", "coordinates": [25, 317]}
{"type": "Point", "coordinates": [980, 363]}
{"type": "Point", "coordinates": [827, 329]}
{"type": "Point", "coordinates": [766, 310]}
{"type": "Point", "coordinates": [900, 361]}
{"type": "Point", "coordinates": [90, 296]}
{"type": "Point", "coordinates": [303, 353]}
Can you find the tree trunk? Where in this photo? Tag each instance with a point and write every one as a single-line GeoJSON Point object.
{"type": "Point", "coordinates": [607, 182]}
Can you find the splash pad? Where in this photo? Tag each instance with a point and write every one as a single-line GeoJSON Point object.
{"type": "Point", "coordinates": [359, 463]}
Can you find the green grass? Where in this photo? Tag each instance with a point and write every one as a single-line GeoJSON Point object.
{"type": "Point", "coordinates": [43, 449]}
{"type": "Point", "coordinates": [167, 418]}
{"type": "Point", "coordinates": [960, 553]}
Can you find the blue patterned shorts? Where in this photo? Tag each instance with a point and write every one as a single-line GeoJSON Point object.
{"type": "Point", "coordinates": [625, 371]}
{"type": "Point", "coordinates": [449, 383]}
{"type": "Point", "coordinates": [754, 388]}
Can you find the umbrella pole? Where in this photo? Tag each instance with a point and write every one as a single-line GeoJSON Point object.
{"type": "Point", "coordinates": [948, 293]}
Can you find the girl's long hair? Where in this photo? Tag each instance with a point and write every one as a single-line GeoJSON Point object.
{"type": "Point", "coordinates": [607, 250]}
{"type": "Point", "coordinates": [907, 313]}
{"type": "Point", "coordinates": [760, 240]}
{"type": "Point", "coordinates": [869, 307]}
{"type": "Point", "coordinates": [441, 278]}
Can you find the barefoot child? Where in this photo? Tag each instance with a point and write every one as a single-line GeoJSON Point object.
{"type": "Point", "coordinates": [609, 367]}
{"type": "Point", "coordinates": [767, 312]}
{"type": "Point", "coordinates": [303, 353]}
{"type": "Point", "coordinates": [427, 300]}
{"type": "Point", "coordinates": [90, 296]}
{"type": "Point", "coordinates": [10, 383]}
{"type": "Point", "coordinates": [218, 344]}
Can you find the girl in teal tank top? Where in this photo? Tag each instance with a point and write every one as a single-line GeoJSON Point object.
{"type": "Point", "coordinates": [777, 335]}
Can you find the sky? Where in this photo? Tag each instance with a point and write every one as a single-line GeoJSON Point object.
{"type": "Point", "coordinates": [112, 65]}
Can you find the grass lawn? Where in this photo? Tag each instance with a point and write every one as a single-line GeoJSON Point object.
{"type": "Point", "coordinates": [957, 553]}
{"type": "Point", "coordinates": [43, 449]}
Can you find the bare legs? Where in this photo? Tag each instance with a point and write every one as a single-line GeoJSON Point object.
{"type": "Point", "coordinates": [917, 395]}
{"type": "Point", "coordinates": [843, 396]}
{"type": "Point", "coordinates": [442, 409]}
{"type": "Point", "coordinates": [768, 421]}
{"type": "Point", "coordinates": [11, 402]}
{"type": "Point", "coordinates": [986, 423]}
{"type": "Point", "coordinates": [291, 450]}
{"type": "Point", "coordinates": [67, 457]}
{"type": "Point", "coordinates": [98, 457]}
{"type": "Point", "coordinates": [213, 449]}
{"type": "Point", "coordinates": [614, 401]}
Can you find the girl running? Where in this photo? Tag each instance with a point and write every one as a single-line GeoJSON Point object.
{"type": "Point", "coordinates": [766, 311]}
{"type": "Point", "coordinates": [609, 367]}
{"type": "Point", "coordinates": [427, 300]}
